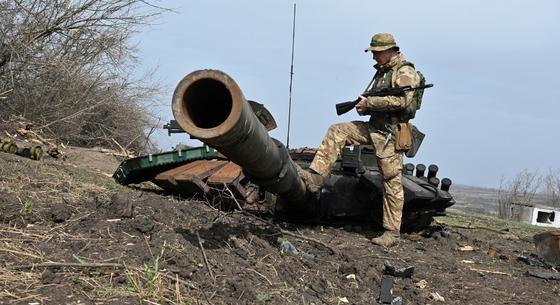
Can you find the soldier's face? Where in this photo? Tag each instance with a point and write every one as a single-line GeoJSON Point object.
{"type": "Point", "coordinates": [383, 57]}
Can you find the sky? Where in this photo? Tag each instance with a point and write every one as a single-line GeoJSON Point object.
{"type": "Point", "coordinates": [492, 113]}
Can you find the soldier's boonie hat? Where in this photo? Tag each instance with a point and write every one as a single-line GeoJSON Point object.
{"type": "Point", "coordinates": [381, 42]}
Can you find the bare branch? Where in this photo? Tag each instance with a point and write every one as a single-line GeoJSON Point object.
{"type": "Point", "coordinates": [66, 65]}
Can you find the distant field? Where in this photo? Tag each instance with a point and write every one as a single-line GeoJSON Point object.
{"type": "Point", "coordinates": [482, 200]}
{"type": "Point", "coordinates": [475, 199]}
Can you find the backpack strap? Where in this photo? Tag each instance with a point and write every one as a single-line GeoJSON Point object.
{"type": "Point", "coordinates": [414, 104]}
{"type": "Point", "coordinates": [399, 66]}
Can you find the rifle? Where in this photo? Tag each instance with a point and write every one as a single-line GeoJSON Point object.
{"type": "Point", "coordinates": [344, 107]}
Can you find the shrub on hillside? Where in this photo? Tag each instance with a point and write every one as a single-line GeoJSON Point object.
{"type": "Point", "coordinates": [66, 65]}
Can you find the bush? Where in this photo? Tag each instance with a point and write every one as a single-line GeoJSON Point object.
{"type": "Point", "coordinates": [552, 185]}
{"type": "Point", "coordinates": [521, 190]}
{"type": "Point", "coordinates": [528, 188]}
{"type": "Point", "coordinates": [66, 64]}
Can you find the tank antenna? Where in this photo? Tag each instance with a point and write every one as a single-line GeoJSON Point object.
{"type": "Point", "coordinates": [291, 77]}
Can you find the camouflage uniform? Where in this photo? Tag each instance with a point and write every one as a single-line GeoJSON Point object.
{"type": "Point", "coordinates": [384, 111]}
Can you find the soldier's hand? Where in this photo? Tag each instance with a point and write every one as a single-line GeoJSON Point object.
{"type": "Point", "coordinates": [361, 106]}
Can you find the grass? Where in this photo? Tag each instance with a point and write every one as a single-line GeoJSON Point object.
{"type": "Point", "coordinates": [26, 208]}
{"type": "Point", "coordinates": [33, 185]}
{"type": "Point", "coordinates": [151, 275]}
{"type": "Point", "coordinates": [263, 297]}
{"type": "Point", "coordinates": [285, 293]}
{"type": "Point", "coordinates": [462, 219]}
{"type": "Point", "coordinates": [34, 181]}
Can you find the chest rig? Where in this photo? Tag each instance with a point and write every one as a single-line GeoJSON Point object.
{"type": "Point", "coordinates": [382, 79]}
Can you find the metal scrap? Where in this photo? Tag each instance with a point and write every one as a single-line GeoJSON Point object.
{"type": "Point", "coordinates": [534, 260]}
{"type": "Point", "coordinates": [397, 272]}
{"type": "Point", "coordinates": [545, 275]}
{"type": "Point", "coordinates": [386, 296]}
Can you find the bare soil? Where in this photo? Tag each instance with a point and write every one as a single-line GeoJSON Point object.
{"type": "Point", "coordinates": [70, 235]}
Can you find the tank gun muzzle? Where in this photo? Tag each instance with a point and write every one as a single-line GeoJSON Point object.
{"type": "Point", "coordinates": [210, 106]}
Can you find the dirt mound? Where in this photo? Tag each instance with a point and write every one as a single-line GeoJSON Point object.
{"type": "Point", "coordinates": [69, 235]}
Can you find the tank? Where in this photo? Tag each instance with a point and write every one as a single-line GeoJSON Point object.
{"type": "Point", "coordinates": [252, 170]}
{"type": "Point", "coordinates": [353, 192]}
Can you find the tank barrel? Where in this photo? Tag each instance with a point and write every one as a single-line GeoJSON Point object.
{"type": "Point", "coordinates": [210, 106]}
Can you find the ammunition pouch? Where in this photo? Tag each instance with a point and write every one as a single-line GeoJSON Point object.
{"type": "Point", "coordinates": [416, 141]}
{"type": "Point", "coordinates": [403, 137]}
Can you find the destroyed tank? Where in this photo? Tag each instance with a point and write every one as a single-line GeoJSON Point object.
{"type": "Point", "coordinates": [241, 166]}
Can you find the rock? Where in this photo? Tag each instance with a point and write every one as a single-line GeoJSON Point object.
{"type": "Point", "coordinates": [60, 213]}
{"type": "Point", "coordinates": [50, 277]}
{"type": "Point", "coordinates": [287, 247]}
{"type": "Point", "coordinates": [143, 225]}
{"type": "Point", "coordinates": [121, 205]}
{"type": "Point", "coordinates": [348, 268]}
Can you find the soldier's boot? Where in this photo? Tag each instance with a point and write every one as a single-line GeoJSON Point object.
{"type": "Point", "coordinates": [313, 181]}
{"type": "Point", "coordinates": [387, 239]}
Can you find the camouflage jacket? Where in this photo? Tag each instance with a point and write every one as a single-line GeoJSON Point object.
{"type": "Point", "coordinates": [391, 109]}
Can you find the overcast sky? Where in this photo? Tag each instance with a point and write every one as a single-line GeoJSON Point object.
{"type": "Point", "coordinates": [495, 66]}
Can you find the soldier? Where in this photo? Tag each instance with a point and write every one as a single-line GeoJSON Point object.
{"type": "Point", "coordinates": [385, 112]}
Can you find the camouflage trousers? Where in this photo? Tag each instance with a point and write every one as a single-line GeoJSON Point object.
{"type": "Point", "coordinates": [389, 161]}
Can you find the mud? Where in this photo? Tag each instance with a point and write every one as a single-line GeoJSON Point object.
{"type": "Point", "coordinates": [116, 245]}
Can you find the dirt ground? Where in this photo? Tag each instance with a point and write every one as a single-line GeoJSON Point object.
{"type": "Point", "coordinates": [70, 235]}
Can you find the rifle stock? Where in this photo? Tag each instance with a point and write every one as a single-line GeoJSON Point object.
{"type": "Point", "coordinates": [342, 108]}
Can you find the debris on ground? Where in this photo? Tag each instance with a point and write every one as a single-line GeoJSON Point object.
{"type": "Point", "coordinates": [404, 272]}
{"type": "Point", "coordinates": [70, 235]}
{"type": "Point", "coordinates": [484, 271]}
{"type": "Point", "coordinates": [545, 275]}
{"type": "Point", "coordinates": [548, 246]}
{"type": "Point", "coordinates": [20, 139]}
{"type": "Point", "coordinates": [492, 251]}
{"type": "Point", "coordinates": [466, 248]}
{"type": "Point", "coordinates": [386, 296]}
{"type": "Point", "coordinates": [435, 296]}
{"type": "Point", "coordinates": [287, 247]}
{"type": "Point", "coordinates": [421, 284]}
{"type": "Point", "coordinates": [8, 145]}
{"type": "Point", "coordinates": [535, 260]}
